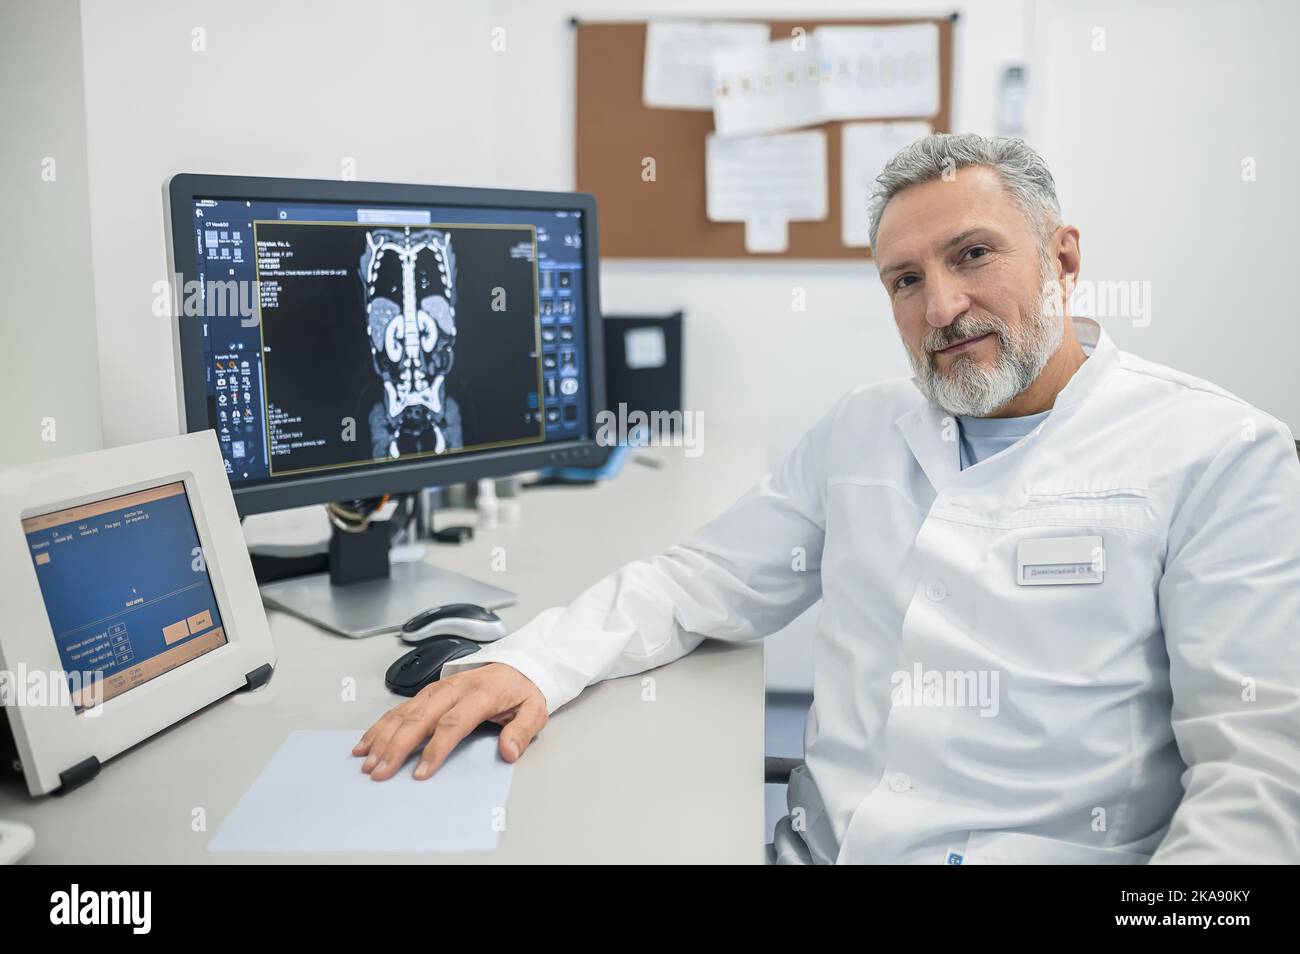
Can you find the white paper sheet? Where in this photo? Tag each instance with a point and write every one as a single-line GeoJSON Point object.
{"type": "Point", "coordinates": [313, 797]}
{"type": "Point", "coordinates": [759, 179]}
{"type": "Point", "coordinates": [767, 232]}
{"type": "Point", "coordinates": [878, 72]}
{"type": "Point", "coordinates": [840, 73]}
{"type": "Point", "coordinates": [765, 89]}
{"type": "Point", "coordinates": [864, 150]}
{"type": "Point", "coordinates": [645, 348]}
{"type": "Point", "coordinates": [679, 59]}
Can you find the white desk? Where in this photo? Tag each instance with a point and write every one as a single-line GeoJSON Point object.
{"type": "Point", "coordinates": [610, 779]}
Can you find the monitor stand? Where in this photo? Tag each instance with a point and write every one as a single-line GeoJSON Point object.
{"type": "Point", "coordinates": [362, 593]}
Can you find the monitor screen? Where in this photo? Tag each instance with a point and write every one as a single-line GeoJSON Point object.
{"type": "Point", "coordinates": [126, 589]}
{"type": "Point", "coordinates": [342, 336]}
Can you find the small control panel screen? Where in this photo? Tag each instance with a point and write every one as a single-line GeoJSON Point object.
{"type": "Point", "coordinates": [126, 589]}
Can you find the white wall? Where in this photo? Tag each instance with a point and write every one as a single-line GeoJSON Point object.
{"type": "Point", "coordinates": [1146, 140]}
{"type": "Point", "coordinates": [48, 372]}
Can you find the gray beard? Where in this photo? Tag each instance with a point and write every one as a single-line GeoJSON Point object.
{"type": "Point", "coordinates": [970, 389]}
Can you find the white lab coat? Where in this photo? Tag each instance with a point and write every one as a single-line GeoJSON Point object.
{"type": "Point", "coordinates": [1153, 716]}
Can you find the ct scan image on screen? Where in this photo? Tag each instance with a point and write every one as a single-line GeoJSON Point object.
{"type": "Point", "coordinates": [392, 342]}
{"type": "Point", "coordinates": [126, 590]}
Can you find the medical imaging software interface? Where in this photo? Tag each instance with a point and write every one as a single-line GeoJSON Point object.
{"type": "Point", "coordinates": [126, 589]}
{"type": "Point", "coordinates": [339, 336]}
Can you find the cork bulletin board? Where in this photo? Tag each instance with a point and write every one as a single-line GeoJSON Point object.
{"type": "Point", "coordinates": [665, 218]}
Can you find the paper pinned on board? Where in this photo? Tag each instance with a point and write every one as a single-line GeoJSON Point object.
{"type": "Point", "coordinates": [878, 72]}
{"type": "Point", "coordinates": [767, 232]}
{"type": "Point", "coordinates": [766, 181]}
{"type": "Point", "coordinates": [845, 72]}
{"type": "Point", "coordinates": [679, 59]}
{"type": "Point", "coordinates": [864, 150]}
{"type": "Point", "coordinates": [313, 797]}
{"type": "Point", "coordinates": [765, 89]}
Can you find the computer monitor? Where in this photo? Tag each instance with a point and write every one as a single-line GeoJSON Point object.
{"type": "Point", "coordinates": [351, 339]}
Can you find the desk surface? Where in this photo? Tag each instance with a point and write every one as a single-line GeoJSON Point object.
{"type": "Point", "coordinates": [612, 778]}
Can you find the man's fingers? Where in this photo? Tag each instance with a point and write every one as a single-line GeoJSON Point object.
{"type": "Point", "coordinates": [448, 711]}
{"type": "Point", "coordinates": [456, 723]}
{"type": "Point", "coordinates": [418, 718]}
{"type": "Point", "coordinates": [383, 726]}
{"type": "Point", "coordinates": [522, 729]}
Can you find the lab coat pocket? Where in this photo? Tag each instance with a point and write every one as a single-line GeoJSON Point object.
{"type": "Point", "coordinates": [1017, 848]}
{"type": "Point", "coordinates": [1131, 492]}
{"type": "Point", "coordinates": [1125, 505]}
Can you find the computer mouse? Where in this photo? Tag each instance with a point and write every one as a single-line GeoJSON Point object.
{"type": "Point", "coordinates": [423, 664]}
{"type": "Point", "coordinates": [454, 619]}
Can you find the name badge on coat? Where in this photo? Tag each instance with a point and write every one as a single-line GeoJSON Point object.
{"type": "Point", "coordinates": [1051, 561]}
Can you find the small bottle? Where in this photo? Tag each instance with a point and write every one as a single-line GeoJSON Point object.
{"type": "Point", "coordinates": [508, 493]}
{"type": "Point", "coordinates": [1013, 102]}
{"type": "Point", "coordinates": [488, 506]}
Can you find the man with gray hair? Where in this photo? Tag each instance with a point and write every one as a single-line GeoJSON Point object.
{"type": "Point", "coordinates": [1059, 584]}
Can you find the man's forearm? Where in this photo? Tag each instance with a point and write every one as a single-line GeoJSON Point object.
{"type": "Point", "coordinates": [624, 624]}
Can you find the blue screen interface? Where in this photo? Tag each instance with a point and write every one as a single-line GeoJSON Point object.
{"type": "Point", "coordinates": [126, 589]}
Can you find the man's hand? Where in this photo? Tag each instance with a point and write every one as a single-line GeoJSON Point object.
{"type": "Point", "coordinates": [449, 710]}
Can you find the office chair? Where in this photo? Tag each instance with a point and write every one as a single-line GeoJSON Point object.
{"type": "Point", "coordinates": [777, 768]}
